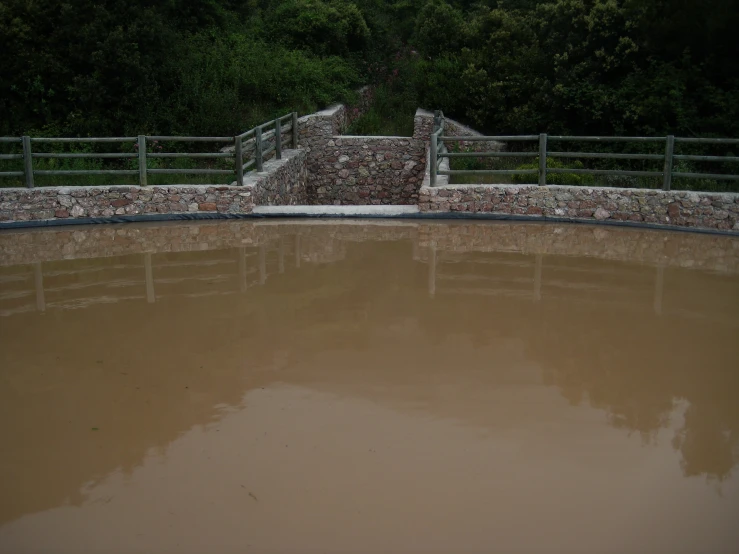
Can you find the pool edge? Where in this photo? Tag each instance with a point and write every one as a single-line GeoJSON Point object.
{"type": "Point", "coordinates": [441, 216]}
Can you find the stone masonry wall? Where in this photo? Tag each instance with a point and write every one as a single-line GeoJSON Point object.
{"type": "Point", "coordinates": [370, 170]}
{"type": "Point", "coordinates": [423, 124]}
{"type": "Point", "coordinates": [359, 170]}
{"type": "Point", "coordinates": [679, 208]}
{"type": "Point", "coordinates": [282, 182]}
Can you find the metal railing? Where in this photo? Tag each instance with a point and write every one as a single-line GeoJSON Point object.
{"type": "Point", "coordinates": [439, 151]}
{"type": "Point", "coordinates": [266, 142]}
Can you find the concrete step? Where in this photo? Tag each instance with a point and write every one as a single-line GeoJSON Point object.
{"type": "Point", "coordinates": [353, 211]}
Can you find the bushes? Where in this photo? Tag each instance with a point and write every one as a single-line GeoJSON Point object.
{"type": "Point", "coordinates": [136, 67]}
{"type": "Point", "coordinates": [228, 84]}
{"type": "Point", "coordinates": [600, 67]}
{"type": "Point", "coordinates": [395, 98]}
{"type": "Point", "coordinates": [330, 27]}
{"type": "Point", "coordinates": [557, 178]}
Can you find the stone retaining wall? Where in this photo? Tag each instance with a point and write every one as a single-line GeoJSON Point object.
{"type": "Point", "coordinates": [351, 170]}
{"type": "Point", "coordinates": [369, 170]}
{"type": "Point", "coordinates": [423, 124]}
{"type": "Point", "coordinates": [282, 182]}
{"type": "Point", "coordinates": [675, 208]}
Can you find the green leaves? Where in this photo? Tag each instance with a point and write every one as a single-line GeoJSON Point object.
{"type": "Point", "coordinates": [585, 67]}
{"type": "Point", "coordinates": [332, 27]}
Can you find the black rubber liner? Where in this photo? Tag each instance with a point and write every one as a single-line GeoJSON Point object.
{"type": "Point", "coordinates": [426, 216]}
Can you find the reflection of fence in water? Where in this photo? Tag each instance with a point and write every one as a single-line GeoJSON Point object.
{"type": "Point", "coordinates": [154, 276]}
{"type": "Point", "coordinates": [149, 276]}
{"type": "Point", "coordinates": [536, 277]}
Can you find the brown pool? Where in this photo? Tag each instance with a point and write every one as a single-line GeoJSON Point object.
{"type": "Point", "coordinates": [368, 386]}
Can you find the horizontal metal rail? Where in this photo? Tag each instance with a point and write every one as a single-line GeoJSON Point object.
{"type": "Point", "coordinates": [83, 156]}
{"type": "Point", "coordinates": [707, 140]}
{"type": "Point", "coordinates": [85, 139]}
{"type": "Point", "coordinates": [606, 172]}
{"type": "Point", "coordinates": [191, 139]}
{"type": "Point", "coordinates": [488, 171]}
{"type": "Point", "coordinates": [85, 172]}
{"type": "Point", "coordinates": [707, 158]}
{"type": "Point", "coordinates": [477, 138]}
{"type": "Point", "coordinates": [490, 154]}
{"type": "Point", "coordinates": [11, 139]}
{"type": "Point", "coordinates": [716, 176]}
{"type": "Point", "coordinates": [11, 174]}
{"type": "Point", "coordinates": [606, 139]}
{"type": "Point", "coordinates": [195, 155]}
{"type": "Point", "coordinates": [247, 133]}
{"type": "Point", "coordinates": [11, 156]}
{"type": "Point", "coordinates": [190, 171]}
{"type": "Point", "coordinates": [605, 156]}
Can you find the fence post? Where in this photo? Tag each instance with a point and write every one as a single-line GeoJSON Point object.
{"type": "Point", "coordinates": [142, 160]}
{"type": "Point", "coordinates": [667, 172]}
{"type": "Point", "coordinates": [295, 129]}
{"type": "Point", "coordinates": [278, 139]}
{"type": "Point", "coordinates": [542, 159]}
{"type": "Point", "coordinates": [239, 161]}
{"type": "Point", "coordinates": [258, 148]}
{"type": "Point", "coordinates": [28, 161]}
{"type": "Point", "coordinates": [432, 156]}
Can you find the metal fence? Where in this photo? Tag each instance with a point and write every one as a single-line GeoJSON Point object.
{"type": "Point", "coordinates": [259, 144]}
{"type": "Point", "coordinates": [439, 152]}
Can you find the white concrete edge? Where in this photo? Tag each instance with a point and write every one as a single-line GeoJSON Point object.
{"type": "Point", "coordinates": [370, 137]}
{"type": "Point", "coordinates": [393, 210]}
{"type": "Point", "coordinates": [377, 222]}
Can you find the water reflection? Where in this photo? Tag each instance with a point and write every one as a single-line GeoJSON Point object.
{"type": "Point", "coordinates": [117, 344]}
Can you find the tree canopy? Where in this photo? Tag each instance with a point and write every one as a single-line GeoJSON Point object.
{"type": "Point", "coordinates": [506, 66]}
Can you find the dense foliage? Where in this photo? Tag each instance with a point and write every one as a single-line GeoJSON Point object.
{"type": "Point", "coordinates": [97, 67]}
{"type": "Point", "coordinates": [584, 66]}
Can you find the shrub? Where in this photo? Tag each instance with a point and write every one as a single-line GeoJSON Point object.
{"type": "Point", "coordinates": [558, 178]}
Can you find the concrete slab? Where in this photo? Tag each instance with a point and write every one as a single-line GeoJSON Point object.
{"type": "Point", "coordinates": [375, 211]}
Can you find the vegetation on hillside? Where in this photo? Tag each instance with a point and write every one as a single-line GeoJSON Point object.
{"type": "Point", "coordinates": [115, 67]}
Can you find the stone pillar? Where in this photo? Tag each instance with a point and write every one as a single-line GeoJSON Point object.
{"type": "Point", "coordinates": [423, 125]}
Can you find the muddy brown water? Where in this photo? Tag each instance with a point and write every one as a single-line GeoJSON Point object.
{"type": "Point", "coordinates": [368, 387]}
